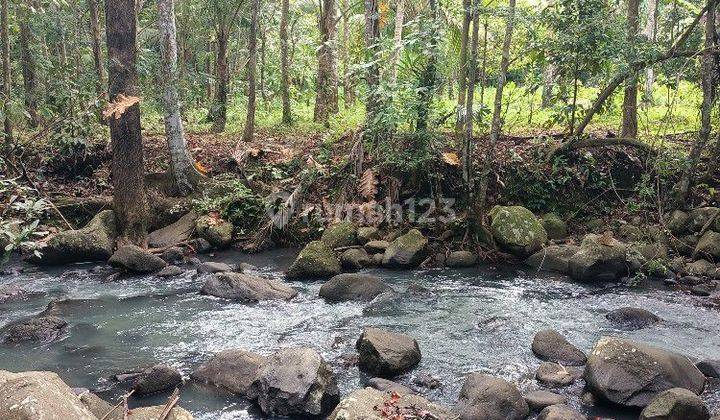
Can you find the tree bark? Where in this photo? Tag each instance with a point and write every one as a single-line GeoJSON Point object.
{"type": "Point", "coordinates": [128, 168]}
{"type": "Point", "coordinates": [326, 99]}
{"type": "Point", "coordinates": [548, 85]}
{"type": "Point", "coordinates": [7, 84]}
{"type": "Point", "coordinates": [181, 164]}
{"type": "Point", "coordinates": [284, 62]}
{"type": "Point", "coordinates": [218, 112]}
{"type": "Point", "coordinates": [28, 67]}
{"type": "Point", "coordinates": [397, 41]}
{"type": "Point", "coordinates": [372, 37]}
{"type": "Point", "coordinates": [249, 130]}
{"type": "Point", "coordinates": [496, 126]}
{"type": "Point", "coordinates": [428, 79]}
{"type": "Point", "coordinates": [463, 66]}
{"type": "Point", "coordinates": [96, 42]}
{"type": "Point", "coordinates": [630, 120]}
{"type": "Point", "coordinates": [348, 88]}
{"type": "Point", "coordinates": [471, 74]}
{"type": "Point", "coordinates": [651, 34]}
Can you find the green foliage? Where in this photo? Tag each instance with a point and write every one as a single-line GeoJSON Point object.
{"type": "Point", "coordinates": [234, 202]}
{"type": "Point", "coordinates": [19, 218]}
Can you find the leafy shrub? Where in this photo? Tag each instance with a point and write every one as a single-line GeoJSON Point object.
{"type": "Point", "coordinates": [234, 202]}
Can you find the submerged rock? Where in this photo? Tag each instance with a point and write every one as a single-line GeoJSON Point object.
{"type": "Point", "coordinates": [490, 398]}
{"type": "Point", "coordinates": [218, 232]}
{"type": "Point", "coordinates": [386, 354]}
{"type": "Point", "coordinates": [246, 288]}
{"type": "Point", "coordinates": [340, 235]}
{"type": "Point", "coordinates": [461, 259]}
{"type": "Point", "coordinates": [353, 287]}
{"type": "Point", "coordinates": [39, 395]}
{"type": "Point", "coordinates": [600, 259]}
{"type": "Point", "coordinates": [178, 232]}
{"type": "Point", "coordinates": [632, 318]}
{"type": "Point", "coordinates": [316, 260]}
{"type": "Point", "coordinates": [676, 404]}
{"type": "Point", "coordinates": [134, 259]}
{"type": "Point", "coordinates": [365, 404]}
{"type": "Point", "coordinates": [560, 412]}
{"type": "Point", "coordinates": [94, 242]}
{"type": "Point", "coordinates": [537, 400]}
{"type": "Point", "coordinates": [517, 230]}
{"type": "Point", "coordinates": [632, 374]}
{"type": "Point", "coordinates": [158, 378]}
{"type": "Point", "coordinates": [234, 370]}
{"type": "Point", "coordinates": [355, 259]}
{"type": "Point", "coordinates": [407, 251]}
{"type": "Point", "coordinates": [553, 258]}
{"type": "Point", "coordinates": [295, 381]}
{"type": "Point", "coordinates": [551, 346]}
{"type": "Point", "coordinates": [42, 329]}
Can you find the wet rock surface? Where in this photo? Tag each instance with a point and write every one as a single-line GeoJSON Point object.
{"type": "Point", "coordinates": [43, 329]}
{"type": "Point", "coordinates": [386, 354]}
{"type": "Point", "coordinates": [246, 288]}
{"type": "Point", "coordinates": [353, 287]}
{"type": "Point", "coordinates": [488, 397]}
{"type": "Point", "coordinates": [550, 345]}
{"type": "Point", "coordinates": [234, 370]}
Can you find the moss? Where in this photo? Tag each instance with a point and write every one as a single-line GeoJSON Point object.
{"type": "Point", "coordinates": [408, 250]}
{"type": "Point", "coordinates": [340, 235]}
{"type": "Point", "coordinates": [555, 227]}
{"type": "Point", "coordinates": [217, 232]}
{"type": "Point", "coordinates": [316, 260]}
{"type": "Point", "coordinates": [517, 230]}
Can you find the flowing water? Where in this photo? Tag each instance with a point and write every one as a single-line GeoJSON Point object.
{"type": "Point", "coordinates": [471, 320]}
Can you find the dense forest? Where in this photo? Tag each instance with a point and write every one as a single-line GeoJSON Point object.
{"type": "Point", "coordinates": [203, 205]}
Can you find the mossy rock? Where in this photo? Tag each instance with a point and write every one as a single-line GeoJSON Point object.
{"type": "Point", "coordinates": [407, 251]}
{"type": "Point", "coordinates": [555, 227]}
{"type": "Point", "coordinates": [218, 232]}
{"type": "Point", "coordinates": [340, 235]}
{"type": "Point", "coordinates": [709, 246]}
{"type": "Point", "coordinates": [517, 230]}
{"type": "Point", "coordinates": [94, 242]}
{"type": "Point", "coordinates": [316, 260]}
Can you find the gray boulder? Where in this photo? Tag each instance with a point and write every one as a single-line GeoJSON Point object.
{"type": "Point", "coordinates": [39, 395]}
{"type": "Point", "coordinates": [212, 267]}
{"type": "Point", "coordinates": [551, 346]}
{"type": "Point", "coordinates": [246, 288]}
{"type": "Point", "coordinates": [170, 271]}
{"type": "Point", "coordinates": [461, 259]}
{"type": "Point", "coordinates": [353, 287]}
{"type": "Point", "coordinates": [537, 400]}
{"type": "Point", "coordinates": [295, 382]}
{"type": "Point", "coordinates": [355, 259]}
{"type": "Point", "coordinates": [234, 370]}
{"type": "Point", "coordinates": [340, 235]}
{"type": "Point", "coordinates": [133, 259]}
{"type": "Point", "coordinates": [676, 404]}
{"type": "Point", "coordinates": [364, 404]}
{"type": "Point", "coordinates": [560, 412]}
{"type": "Point", "coordinates": [157, 378]}
{"type": "Point", "coordinates": [709, 246]}
{"type": "Point", "coordinates": [386, 354]}
{"type": "Point", "coordinates": [632, 318]}
{"type": "Point", "coordinates": [709, 368]}
{"type": "Point", "coordinates": [218, 232]}
{"type": "Point", "coordinates": [553, 258]}
{"type": "Point", "coordinates": [407, 251]}
{"type": "Point", "coordinates": [375, 247]}
{"type": "Point", "coordinates": [94, 242]}
{"type": "Point", "coordinates": [517, 230]}
{"type": "Point", "coordinates": [633, 374]}
{"type": "Point", "coordinates": [173, 255]}
{"type": "Point", "coordinates": [42, 329]}
{"type": "Point", "coordinates": [600, 259]}
{"type": "Point", "coordinates": [490, 398]}
{"type": "Point", "coordinates": [178, 232]}
{"type": "Point", "coordinates": [316, 260]}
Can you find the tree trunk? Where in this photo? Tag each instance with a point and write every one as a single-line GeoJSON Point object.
{"type": "Point", "coordinates": [218, 113]}
{"type": "Point", "coordinates": [471, 74]}
{"type": "Point", "coordinates": [326, 100]}
{"type": "Point", "coordinates": [263, 46]}
{"type": "Point", "coordinates": [428, 79]}
{"type": "Point", "coordinates": [28, 68]}
{"type": "Point", "coordinates": [397, 41]}
{"type": "Point", "coordinates": [651, 34]}
{"type": "Point", "coordinates": [348, 89]}
{"type": "Point", "coordinates": [630, 120]}
{"type": "Point", "coordinates": [96, 42]}
{"type": "Point", "coordinates": [128, 168]}
{"type": "Point", "coordinates": [548, 85]}
{"type": "Point", "coordinates": [682, 189]}
{"type": "Point", "coordinates": [463, 66]}
{"type": "Point", "coordinates": [7, 85]}
{"type": "Point", "coordinates": [181, 164]}
{"type": "Point", "coordinates": [497, 110]}
{"type": "Point", "coordinates": [249, 129]}
{"type": "Point", "coordinates": [372, 37]}
{"type": "Point", "coordinates": [284, 63]}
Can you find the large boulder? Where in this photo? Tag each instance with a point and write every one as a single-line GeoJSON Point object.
{"type": "Point", "coordinates": [316, 260]}
{"type": "Point", "coordinates": [366, 234]}
{"type": "Point", "coordinates": [676, 404]}
{"type": "Point", "coordinates": [633, 374]}
{"type": "Point", "coordinates": [600, 259]}
{"type": "Point", "coordinates": [160, 377]}
{"type": "Point", "coordinates": [560, 412]}
{"type": "Point", "coordinates": [246, 288]}
{"type": "Point", "coordinates": [386, 354]}
{"type": "Point", "coordinates": [234, 370]}
{"type": "Point", "coordinates": [709, 246]}
{"type": "Point", "coordinates": [218, 232]}
{"type": "Point", "coordinates": [407, 251]}
{"type": "Point", "coordinates": [678, 223]}
{"type": "Point", "coordinates": [555, 227]}
{"type": "Point", "coordinates": [703, 268]}
{"type": "Point", "coordinates": [295, 382]}
{"type": "Point", "coordinates": [133, 259]}
{"type": "Point", "coordinates": [355, 259]}
{"type": "Point", "coordinates": [490, 398]}
{"type": "Point", "coordinates": [365, 404]}
{"type": "Point", "coordinates": [340, 235]}
{"type": "Point", "coordinates": [94, 242]}
{"type": "Point", "coordinates": [154, 413]}
{"type": "Point", "coordinates": [551, 346]}
{"type": "Point", "coordinates": [39, 395]}
{"type": "Point", "coordinates": [537, 400]}
{"type": "Point", "coordinates": [553, 258]}
{"type": "Point", "coordinates": [173, 234]}
{"type": "Point", "coordinates": [517, 230]}
{"type": "Point", "coordinates": [42, 329]}
{"type": "Point", "coordinates": [632, 318]}
{"type": "Point", "coordinates": [699, 217]}
{"type": "Point", "coordinates": [353, 287]}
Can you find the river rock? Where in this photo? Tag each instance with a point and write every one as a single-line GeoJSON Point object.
{"type": "Point", "coordinates": [701, 290]}
{"type": "Point", "coordinates": [560, 412]}
{"type": "Point", "coordinates": [133, 259]}
{"type": "Point", "coordinates": [295, 381]}
{"type": "Point", "coordinates": [153, 413]}
{"type": "Point", "coordinates": [316, 260]}
{"type": "Point", "coordinates": [212, 267]}
{"type": "Point", "coordinates": [537, 400]}
{"type": "Point", "coordinates": [375, 247]}
{"type": "Point", "coordinates": [386, 385]}
{"type": "Point", "coordinates": [364, 404]}
{"type": "Point", "coordinates": [11, 293]}
{"type": "Point", "coordinates": [234, 370]}
{"type": "Point", "coordinates": [353, 287]}
{"type": "Point", "coordinates": [461, 259]}
{"type": "Point", "coordinates": [703, 268]}
{"type": "Point", "coordinates": [386, 354]}
{"type": "Point", "coordinates": [632, 374]}
{"type": "Point", "coordinates": [678, 223]}
{"type": "Point", "coordinates": [555, 227]}
{"type": "Point", "coordinates": [94, 242]}
{"type": "Point", "coordinates": [407, 251]}
{"type": "Point", "coordinates": [355, 259]}
{"type": "Point", "coordinates": [218, 232]}
{"type": "Point", "coordinates": [39, 395]}
{"type": "Point", "coordinates": [709, 368]}
{"type": "Point", "coordinates": [551, 346]}
{"type": "Point", "coordinates": [490, 398]}
{"type": "Point", "coordinates": [170, 271]}
{"type": "Point", "coordinates": [600, 259]}
{"type": "Point", "coordinates": [709, 245]}
{"type": "Point", "coordinates": [178, 232]}
{"type": "Point", "coordinates": [676, 404]}
{"type": "Point", "coordinates": [632, 318]}
{"type": "Point", "coordinates": [517, 230]}
{"type": "Point", "coordinates": [42, 329]}
{"type": "Point", "coordinates": [555, 375]}
{"type": "Point", "coordinates": [367, 234]}
{"type": "Point", "coordinates": [553, 258]}
{"type": "Point", "coordinates": [246, 288]}
{"type": "Point", "coordinates": [700, 216]}
{"type": "Point", "coordinates": [173, 255]}
{"type": "Point", "coordinates": [158, 378]}
{"type": "Point", "coordinates": [340, 235]}
{"type": "Point", "coordinates": [99, 407]}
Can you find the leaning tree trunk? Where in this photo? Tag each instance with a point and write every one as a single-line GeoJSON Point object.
{"type": "Point", "coordinates": [218, 111]}
{"type": "Point", "coordinates": [284, 62]}
{"type": "Point", "coordinates": [651, 34]}
{"type": "Point", "coordinates": [472, 70]}
{"type": "Point", "coordinates": [463, 67]}
{"type": "Point", "coordinates": [630, 119]}
{"type": "Point", "coordinates": [326, 100]}
{"type": "Point", "coordinates": [6, 85]}
{"type": "Point", "coordinates": [128, 168]}
{"type": "Point", "coordinates": [397, 41]}
{"type": "Point", "coordinates": [181, 164]}
{"type": "Point", "coordinates": [96, 41]}
{"type": "Point", "coordinates": [249, 129]}
{"type": "Point", "coordinates": [372, 37]}
{"type": "Point", "coordinates": [497, 110]}
{"type": "Point", "coordinates": [28, 68]}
